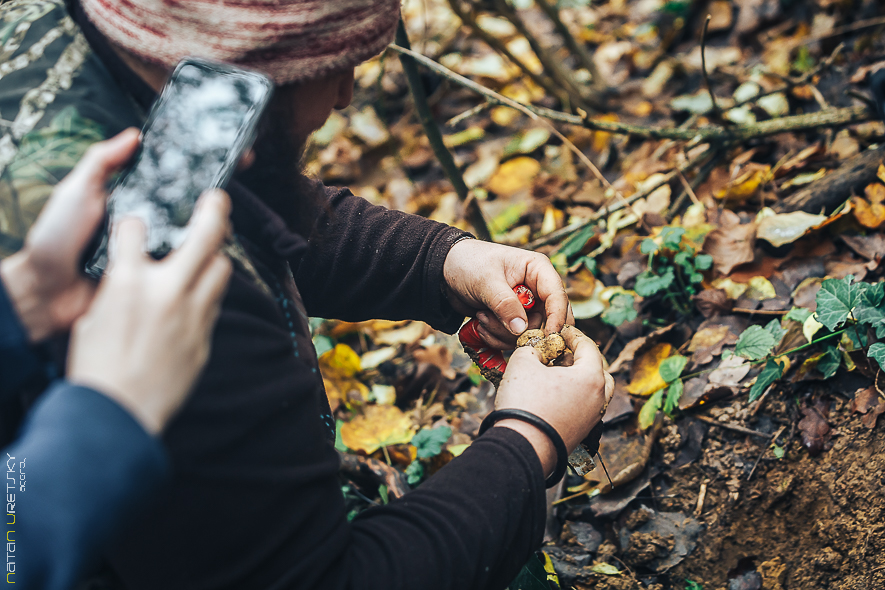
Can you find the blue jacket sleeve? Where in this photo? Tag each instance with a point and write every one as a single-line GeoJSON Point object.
{"type": "Point", "coordinates": [17, 361]}
{"type": "Point", "coordinates": [81, 466]}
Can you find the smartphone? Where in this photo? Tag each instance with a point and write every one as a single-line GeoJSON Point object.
{"type": "Point", "coordinates": [195, 134]}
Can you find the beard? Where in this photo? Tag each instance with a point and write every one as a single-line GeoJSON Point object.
{"type": "Point", "coordinates": [276, 175]}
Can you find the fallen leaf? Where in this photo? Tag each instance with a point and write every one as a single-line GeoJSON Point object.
{"type": "Point", "coordinates": [871, 215]}
{"type": "Point", "coordinates": [729, 373]}
{"type": "Point", "coordinates": [867, 402]}
{"type": "Point", "coordinates": [513, 175]}
{"type": "Point", "coordinates": [646, 375]}
{"type": "Point", "coordinates": [871, 247]}
{"type": "Point", "coordinates": [708, 342]}
{"type": "Point", "coordinates": [373, 358]}
{"type": "Point", "coordinates": [731, 246]}
{"type": "Point", "coordinates": [745, 186]}
{"type": "Point", "coordinates": [439, 356]}
{"type": "Point", "coordinates": [786, 228]}
{"type": "Point", "coordinates": [339, 362]}
{"type": "Point", "coordinates": [409, 334]}
{"type": "Point", "coordinates": [815, 430]}
{"type": "Point", "coordinates": [760, 289]}
{"type": "Point", "coordinates": [378, 426]}
{"type": "Point", "coordinates": [713, 302]}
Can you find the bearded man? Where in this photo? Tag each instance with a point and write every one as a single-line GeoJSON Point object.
{"type": "Point", "coordinates": [254, 500]}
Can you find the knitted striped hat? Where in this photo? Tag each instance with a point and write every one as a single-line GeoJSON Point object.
{"type": "Point", "coordinates": [290, 40]}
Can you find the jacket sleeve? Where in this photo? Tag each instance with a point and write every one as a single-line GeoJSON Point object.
{"type": "Point", "coordinates": [81, 465]}
{"type": "Point", "coordinates": [369, 262]}
{"type": "Point", "coordinates": [17, 361]}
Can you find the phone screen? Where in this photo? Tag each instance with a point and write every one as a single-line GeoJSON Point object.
{"type": "Point", "coordinates": [196, 133]}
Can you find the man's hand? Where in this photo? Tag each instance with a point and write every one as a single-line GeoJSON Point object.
{"type": "Point", "coordinates": [571, 399]}
{"type": "Point", "coordinates": [146, 337]}
{"type": "Point", "coordinates": [44, 279]}
{"type": "Point", "coordinates": [480, 278]}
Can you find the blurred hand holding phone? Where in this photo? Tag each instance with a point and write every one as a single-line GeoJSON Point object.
{"type": "Point", "coordinates": [196, 133]}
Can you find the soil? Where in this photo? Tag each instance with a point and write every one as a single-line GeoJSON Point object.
{"type": "Point", "coordinates": [799, 523]}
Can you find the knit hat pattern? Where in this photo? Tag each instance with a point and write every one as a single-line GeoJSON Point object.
{"type": "Point", "coordinates": [289, 40]}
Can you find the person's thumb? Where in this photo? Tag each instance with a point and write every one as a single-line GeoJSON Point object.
{"type": "Point", "coordinates": [504, 303]}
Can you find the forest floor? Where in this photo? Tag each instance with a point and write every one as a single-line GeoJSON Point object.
{"type": "Point", "coordinates": [725, 254]}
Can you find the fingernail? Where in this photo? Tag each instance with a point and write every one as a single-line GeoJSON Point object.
{"type": "Point", "coordinates": [483, 318]}
{"type": "Point", "coordinates": [517, 325]}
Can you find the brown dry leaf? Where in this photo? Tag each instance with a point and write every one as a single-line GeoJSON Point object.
{"type": "Point", "coordinates": [730, 246]}
{"type": "Point", "coordinates": [627, 355]}
{"type": "Point", "coordinates": [871, 247]}
{"type": "Point", "coordinates": [437, 355]}
{"type": "Point", "coordinates": [379, 426]}
{"type": "Point", "coordinates": [867, 402]}
{"type": "Point", "coordinates": [815, 430]}
{"type": "Point", "coordinates": [646, 377]}
{"type": "Point", "coordinates": [514, 175]}
{"type": "Point", "coordinates": [713, 302]}
{"type": "Point", "coordinates": [708, 342]}
{"type": "Point", "coordinates": [729, 374]}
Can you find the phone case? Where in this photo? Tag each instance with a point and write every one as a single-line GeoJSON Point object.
{"type": "Point", "coordinates": [195, 134]}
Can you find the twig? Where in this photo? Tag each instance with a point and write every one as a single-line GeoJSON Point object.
{"type": "Point", "coordinates": [764, 450]}
{"type": "Point", "coordinates": [688, 188]}
{"type": "Point", "coordinates": [702, 495]}
{"type": "Point", "coordinates": [551, 64]}
{"type": "Point", "coordinates": [716, 111]}
{"type": "Point", "coordinates": [864, 24]}
{"type": "Point", "coordinates": [535, 117]}
{"type": "Point", "coordinates": [500, 47]}
{"type": "Point", "coordinates": [758, 311]}
{"type": "Point", "coordinates": [472, 209]}
{"type": "Point", "coordinates": [829, 118]}
{"type": "Point", "coordinates": [584, 57]}
{"type": "Point", "coordinates": [467, 114]}
{"type": "Point", "coordinates": [732, 427]}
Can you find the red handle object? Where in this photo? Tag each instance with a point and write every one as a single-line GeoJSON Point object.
{"type": "Point", "coordinates": [486, 357]}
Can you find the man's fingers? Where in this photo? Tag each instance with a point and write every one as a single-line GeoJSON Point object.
{"type": "Point", "coordinates": [212, 284]}
{"type": "Point", "coordinates": [206, 232]}
{"type": "Point", "coordinates": [506, 305]}
{"type": "Point", "coordinates": [552, 292]}
{"type": "Point", "coordinates": [127, 242]}
{"type": "Point", "coordinates": [106, 157]}
{"type": "Point", "coordinates": [585, 350]}
{"type": "Point", "coordinates": [506, 342]}
{"type": "Point", "coordinates": [525, 355]}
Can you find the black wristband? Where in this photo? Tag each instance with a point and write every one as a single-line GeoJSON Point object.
{"type": "Point", "coordinates": [540, 424]}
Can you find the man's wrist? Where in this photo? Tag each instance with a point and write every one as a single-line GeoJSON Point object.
{"type": "Point", "coordinates": [540, 442]}
{"type": "Point", "coordinates": [22, 285]}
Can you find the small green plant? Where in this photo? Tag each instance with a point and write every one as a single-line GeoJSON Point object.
{"type": "Point", "coordinates": [429, 443]}
{"type": "Point", "coordinates": [674, 268]}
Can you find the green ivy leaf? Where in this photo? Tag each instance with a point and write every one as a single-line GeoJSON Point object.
{"type": "Point", "coordinates": [868, 310]}
{"type": "Point", "coordinates": [576, 242]}
{"type": "Point", "coordinates": [650, 409]}
{"type": "Point", "coordinates": [674, 393]}
{"type": "Point", "coordinates": [877, 353]}
{"type": "Point", "coordinates": [671, 237]}
{"type": "Point", "coordinates": [648, 246]}
{"type": "Point", "coordinates": [835, 300]}
{"type": "Point", "coordinates": [649, 283]}
{"type": "Point", "coordinates": [696, 278]}
{"type": "Point", "coordinates": [798, 314]}
{"type": "Point", "coordinates": [703, 261]}
{"type": "Point", "coordinates": [692, 585]}
{"type": "Point", "coordinates": [829, 363]}
{"type": "Point", "coordinates": [671, 368]}
{"type": "Point", "coordinates": [770, 373]}
{"type": "Point", "coordinates": [755, 343]}
{"type": "Point", "coordinates": [683, 259]}
{"type": "Point", "coordinates": [429, 442]}
{"type": "Point", "coordinates": [777, 332]}
{"type": "Point", "coordinates": [620, 310]}
{"type": "Point", "coordinates": [382, 493]}
{"type": "Point", "coordinates": [414, 473]}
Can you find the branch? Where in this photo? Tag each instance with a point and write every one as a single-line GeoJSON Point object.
{"type": "Point", "coordinates": [584, 57]}
{"type": "Point", "coordinates": [714, 133]}
{"type": "Point", "coordinates": [473, 211]}
{"type": "Point", "coordinates": [716, 111]}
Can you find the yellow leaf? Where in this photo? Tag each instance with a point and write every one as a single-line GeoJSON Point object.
{"type": "Point", "coordinates": [379, 426]}
{"type": "Point", "coordinates": [881, 172]}
{"type": "Point", "coordinates": [760, 289]}
{"type": "Point", "coordinates": [514, 175]}
{"type": "Point", "coordinates": [456, 450]}
{"type": "Point", "coordinates": [875, 192]}
{"type": "Point", "coordinates": [732, 289]}
{"type": "Point", "coordinates": [707, 338]}
{"type": "Point", "coordinates": [870, 215]}
{"type": "Point", "coordinates": [810, 327]}
{"type": "Point", "coordinates": [601, 139]}
{"type": "Point", "coordinates": [341, 361]}
{"type": "Point", "coordinates": [646, 377]}
{"type": "Point", "coordinates": [745, 186]}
